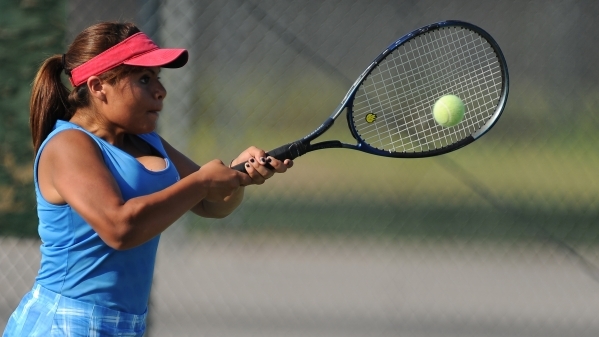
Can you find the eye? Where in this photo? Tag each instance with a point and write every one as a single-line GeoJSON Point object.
{"type": "Point", "coordinates": [145, 79]}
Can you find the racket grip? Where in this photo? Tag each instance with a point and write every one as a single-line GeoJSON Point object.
{"type": "Point", "coordinates": [287, 151]}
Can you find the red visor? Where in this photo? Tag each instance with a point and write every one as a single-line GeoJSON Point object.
{"type": "Point", "coordinates": [136, 50]}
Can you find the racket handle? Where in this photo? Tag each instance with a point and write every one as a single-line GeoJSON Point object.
{"type": "Point", "coordinates": [287, 151]}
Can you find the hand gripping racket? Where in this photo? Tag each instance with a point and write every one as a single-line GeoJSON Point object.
{"type": "Point", "coordinates": [389, 106]}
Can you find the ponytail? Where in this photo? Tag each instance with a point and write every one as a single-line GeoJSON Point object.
{"type": "Point", "coordinates": [49, 100]}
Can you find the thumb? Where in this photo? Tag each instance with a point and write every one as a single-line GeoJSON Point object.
{"type": "Point", "coordinates": [244, 179]}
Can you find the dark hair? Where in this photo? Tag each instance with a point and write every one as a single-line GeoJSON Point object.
{"type": "Point", "coordinates": [50, 98]}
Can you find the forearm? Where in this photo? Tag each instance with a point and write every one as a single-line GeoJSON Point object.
{"type": "Point", "coordinates": [149, 215]}
{"type": "Point", "coordinates": [144, 217]}
{"type": "Point", "coordinates": [210, 209]}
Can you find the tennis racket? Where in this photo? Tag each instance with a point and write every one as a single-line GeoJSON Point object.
{"type": "Point", "coordinates": [389, 106]}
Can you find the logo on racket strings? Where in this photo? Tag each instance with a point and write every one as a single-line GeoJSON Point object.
{"type": "Point", "coordinates": [370, 118]}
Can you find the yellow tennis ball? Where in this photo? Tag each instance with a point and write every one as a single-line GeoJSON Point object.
{"type": "Point", "coordinates": [448, 110]}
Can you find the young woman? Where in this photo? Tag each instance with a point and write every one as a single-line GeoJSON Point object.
{"type": "Point", "coordinates": [107, 185]}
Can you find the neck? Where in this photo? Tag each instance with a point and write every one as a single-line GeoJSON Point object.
{"type": "Point", "coordinates": [97, 125]}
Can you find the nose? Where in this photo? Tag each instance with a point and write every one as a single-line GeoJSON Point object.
{"type": "Point", "coordinates": [160, 92]}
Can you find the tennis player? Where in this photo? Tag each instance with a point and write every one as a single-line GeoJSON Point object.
{"type": "Point", "coordinates": [107, 184]}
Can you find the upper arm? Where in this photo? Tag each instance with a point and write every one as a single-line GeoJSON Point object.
{"type": "Point", "coordinates": [184, 165]}
{"type": "Point", "coordinates": [72, 165]}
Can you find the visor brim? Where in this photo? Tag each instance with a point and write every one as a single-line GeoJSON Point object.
{"type": "Point", "coordinates": [165, 58]}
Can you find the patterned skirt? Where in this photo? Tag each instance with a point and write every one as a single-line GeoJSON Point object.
{"type": "Point", "coordinates": [45, 313]}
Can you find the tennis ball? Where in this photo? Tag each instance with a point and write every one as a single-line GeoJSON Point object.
{"type": "Point", "coordinates": [448, 110]}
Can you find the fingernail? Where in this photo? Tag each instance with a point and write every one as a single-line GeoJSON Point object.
{"type": "Point", "coordinates": [262, 159]}
{"type": "Point", "coordinates": [269, 159]}
{"type": "Point", "coordinates": [247, 165]}
{"type": "Point", "coordinates": [252, 160]}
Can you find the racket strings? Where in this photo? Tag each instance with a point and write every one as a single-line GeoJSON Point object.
{"type": "Point", "coordinates": [392, 109]}
{"type": "Point", "coordinates": [435, 74]}
{"type": "Point", "coordinates": [453, 76]}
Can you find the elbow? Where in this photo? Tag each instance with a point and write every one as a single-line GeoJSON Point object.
{"type": "Point", "coordinates": [119, 240]}
{"type": "Point", "coordinates": [124, 242]}
{"type": "Point", "coordinates": [119, 244]}
{"type": "Point", "coordinates": [208, 210]}
{"type": "Point", "coordinates": [121, 235]}
{"type": "Point", "coordinates": [214, 215]}
{"type": "Point", "coordinates": [125, 227]}
{"type": "Point", "coordinates": [219, 210]}
{"type": "Point", "coordinates": [210, 214]}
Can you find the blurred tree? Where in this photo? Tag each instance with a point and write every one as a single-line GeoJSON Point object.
{"type": "Point", "coordinates": [30, 31]}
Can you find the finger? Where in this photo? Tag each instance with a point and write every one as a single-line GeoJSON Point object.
{"type": "Point", "coordinates": [263, 167]}
{"type": "Point", "coordinates": [246, 179]}
{"type": "Point", "coordinates": [245, 156]}
{"type": "Point", "coordinates": [256, 152]}
{"type": "Point", "coordinates": [256, 172]}
{"type": "Point", "coordinates": [277, 165]}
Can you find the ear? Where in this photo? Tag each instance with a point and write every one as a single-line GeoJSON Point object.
{"type": "Point", "coordinates": [95, 86]}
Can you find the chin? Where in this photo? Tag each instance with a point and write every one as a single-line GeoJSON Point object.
{"type": "Point", "coordinates": [146, 127]}
{"type": "Point", "coordinates": [151, 122]}
{"type": "Point", "coordinates": [151, 128]}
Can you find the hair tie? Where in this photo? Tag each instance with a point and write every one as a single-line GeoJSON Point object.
{"type": "Point", "coordinates": [64, 65]}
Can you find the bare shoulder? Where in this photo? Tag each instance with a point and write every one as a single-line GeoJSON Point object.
{"type": "Point", "coordinates": [69, 156]}
{"type": "Point", "coordinates": [70, 150]}
{"type": "Point", "coordinates": [70, 142]}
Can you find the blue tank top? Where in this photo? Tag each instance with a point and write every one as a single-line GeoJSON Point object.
{"type": "Point", "coordinates": [75, 261]}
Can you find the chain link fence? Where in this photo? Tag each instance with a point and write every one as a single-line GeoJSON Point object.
{"type": "Point", "coordinates": [496, 239]}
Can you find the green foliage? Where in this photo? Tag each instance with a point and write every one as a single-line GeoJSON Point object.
{"type": "Point", "coordinates": [30, 31]}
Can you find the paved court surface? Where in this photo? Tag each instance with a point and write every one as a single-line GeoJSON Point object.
{"type": "Point", "coordinates": [265, 286]}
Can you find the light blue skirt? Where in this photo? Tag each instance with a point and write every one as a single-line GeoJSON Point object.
{"type": "Point", "coordinates": [45, 313]}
